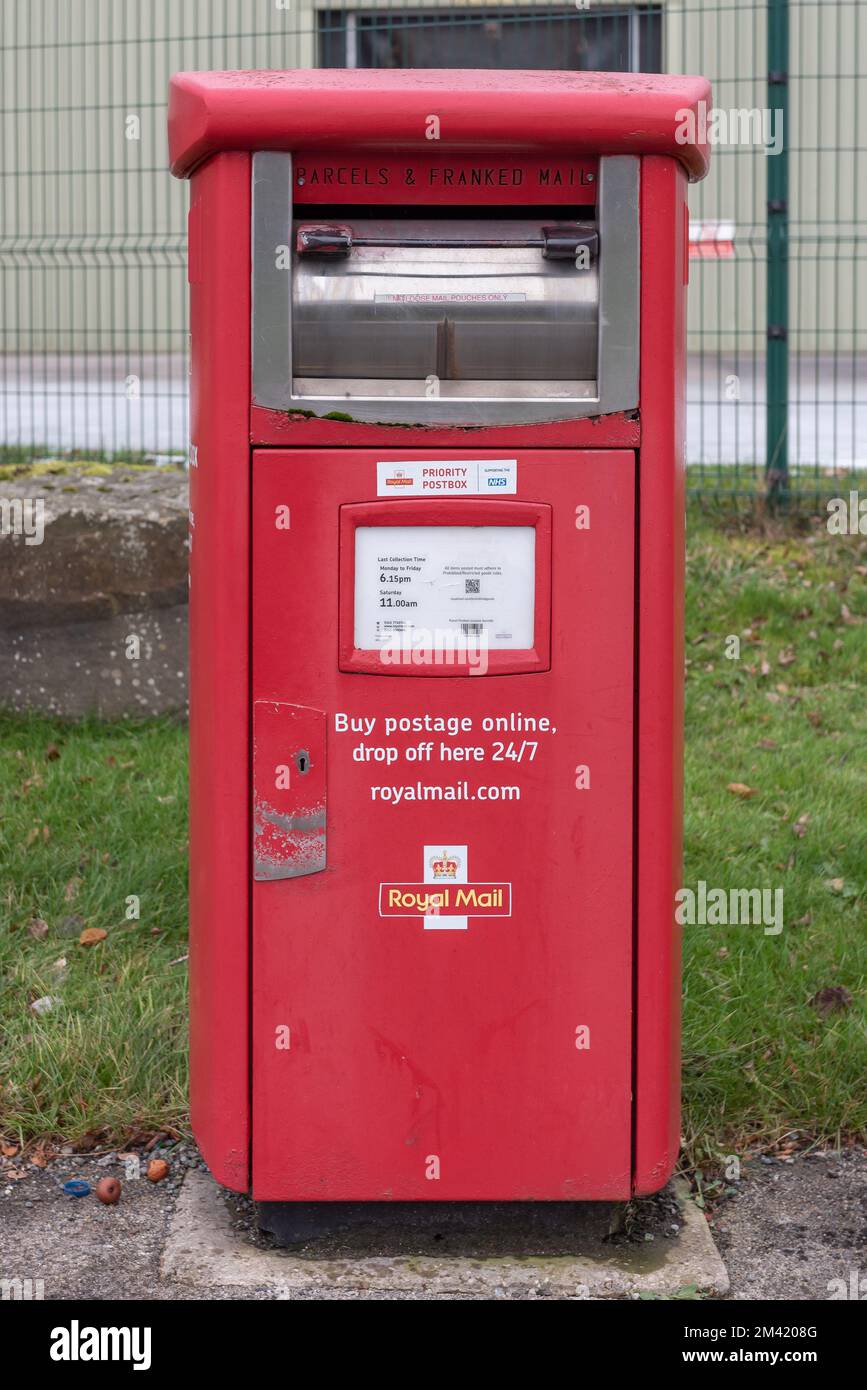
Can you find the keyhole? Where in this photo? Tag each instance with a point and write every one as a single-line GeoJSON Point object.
{"type": "Point", "coordinates": [302, 760]}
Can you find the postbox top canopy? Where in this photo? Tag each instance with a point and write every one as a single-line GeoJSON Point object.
{"type": "Point", "coordinates": [484, 111]}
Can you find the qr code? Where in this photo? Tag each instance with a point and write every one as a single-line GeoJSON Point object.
{"type": "Point", "coordinates": [472, 586]}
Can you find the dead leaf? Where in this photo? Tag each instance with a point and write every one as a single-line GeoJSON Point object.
{"type": "Point", "coordinates": [71, 889]}
{"type": "Point", "coordinates": [91, 935]}
{"type": "Point", "coordinates": [768, 744]}
{"type": "Point", "coordinates": [800, 826]}
{"type": "Point", "coordinates": [835, 885]}
{"type": "Point", "coordinates": [848, 618]}
{"type": "Point", "coordinates": [831, 1000]}
{"type": "Point", "coordinates": [52, 753]}
{"type": "Point", "coordinates": [37, 928]}
{"type": "Point", "coordinates": [742, 790]}
{"type": "Point", "coordinates": [91, 1140]}
{"type": "Point", "coordinates": [8, 1150]}
{"type": "Point", "coordinates": [786, 657]}
{"type": "Point", "coordinates": [766, 667]}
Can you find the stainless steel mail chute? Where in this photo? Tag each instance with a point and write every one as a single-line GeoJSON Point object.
{"type": "Point", "coordinates": [489, 317]}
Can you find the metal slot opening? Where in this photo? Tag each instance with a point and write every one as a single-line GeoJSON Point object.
{"type": "Point", "coordinates": [418, 329]}
{"type": "Point", "coordinates": [379, 303]}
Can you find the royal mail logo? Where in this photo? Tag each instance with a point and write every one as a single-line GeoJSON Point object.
{"type": "Point", "coordinates": [400, 479]}
{"type": "Point", "coordinates": [444, 865]}
{"type": "Point", "coordinates": [458, 900]}
{"type": "Point", "coordinates": [445, 900]}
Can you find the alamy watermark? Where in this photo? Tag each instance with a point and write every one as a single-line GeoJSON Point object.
{"type": "Point", "coordinates": [23, 516]}
{"type": "Point", "coordinates": [847, 516]}
{"type": "Point", "coordinates": [465, 646]}
{"type": "Point", "coordinates": [761, 127]}
{"type": "Point", "coordinates": [22, 1290]}
{"type": "Point", "coordinates": [77, 1343]}
{"type": "Point", "coordinates": [853, 1287]}
{"type": "Point", "coordinates": [721, 907]}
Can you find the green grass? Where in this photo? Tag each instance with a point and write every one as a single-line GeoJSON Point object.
{"type": "Point", "coordinates": [111, 1053]}
{"type": "Point", "coordinates": [759, 1059]}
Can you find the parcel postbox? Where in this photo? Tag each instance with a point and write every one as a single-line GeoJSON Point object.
{"type": "Point", "coordinates": [437, 335]}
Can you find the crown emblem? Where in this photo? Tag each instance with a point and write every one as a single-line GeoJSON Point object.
{"type": "Point", "coordinates": [444, 865]}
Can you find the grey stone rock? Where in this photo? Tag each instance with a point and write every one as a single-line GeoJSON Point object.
{"type": "Point", "coordinates": [111, 566]}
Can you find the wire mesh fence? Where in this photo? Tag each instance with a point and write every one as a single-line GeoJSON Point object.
{"type": "Point", "coordinates": [92, 243]}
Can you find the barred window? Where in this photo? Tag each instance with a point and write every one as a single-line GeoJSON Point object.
{"type": "Point", "coordinates": [622, 39]}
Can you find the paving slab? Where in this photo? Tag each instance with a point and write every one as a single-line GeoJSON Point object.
{"type": "Point", "coordinates": [207, 1247]}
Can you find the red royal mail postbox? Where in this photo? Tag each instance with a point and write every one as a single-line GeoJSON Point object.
{"type": "Point", "coordinates": [436, 644]}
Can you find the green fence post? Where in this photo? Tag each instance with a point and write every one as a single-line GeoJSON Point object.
{"type": "Point", "coordinates": [777, 359]}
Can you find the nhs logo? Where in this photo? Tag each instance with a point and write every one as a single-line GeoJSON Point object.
{"type": "Point", "coordinates": [498, 475]}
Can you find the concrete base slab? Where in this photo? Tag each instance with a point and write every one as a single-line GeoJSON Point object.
{"type": "Point", "coordinates": [203, 1249]}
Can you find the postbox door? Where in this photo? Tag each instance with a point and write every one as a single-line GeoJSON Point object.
{"type": "Point", "coordinates": [442, 882]}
